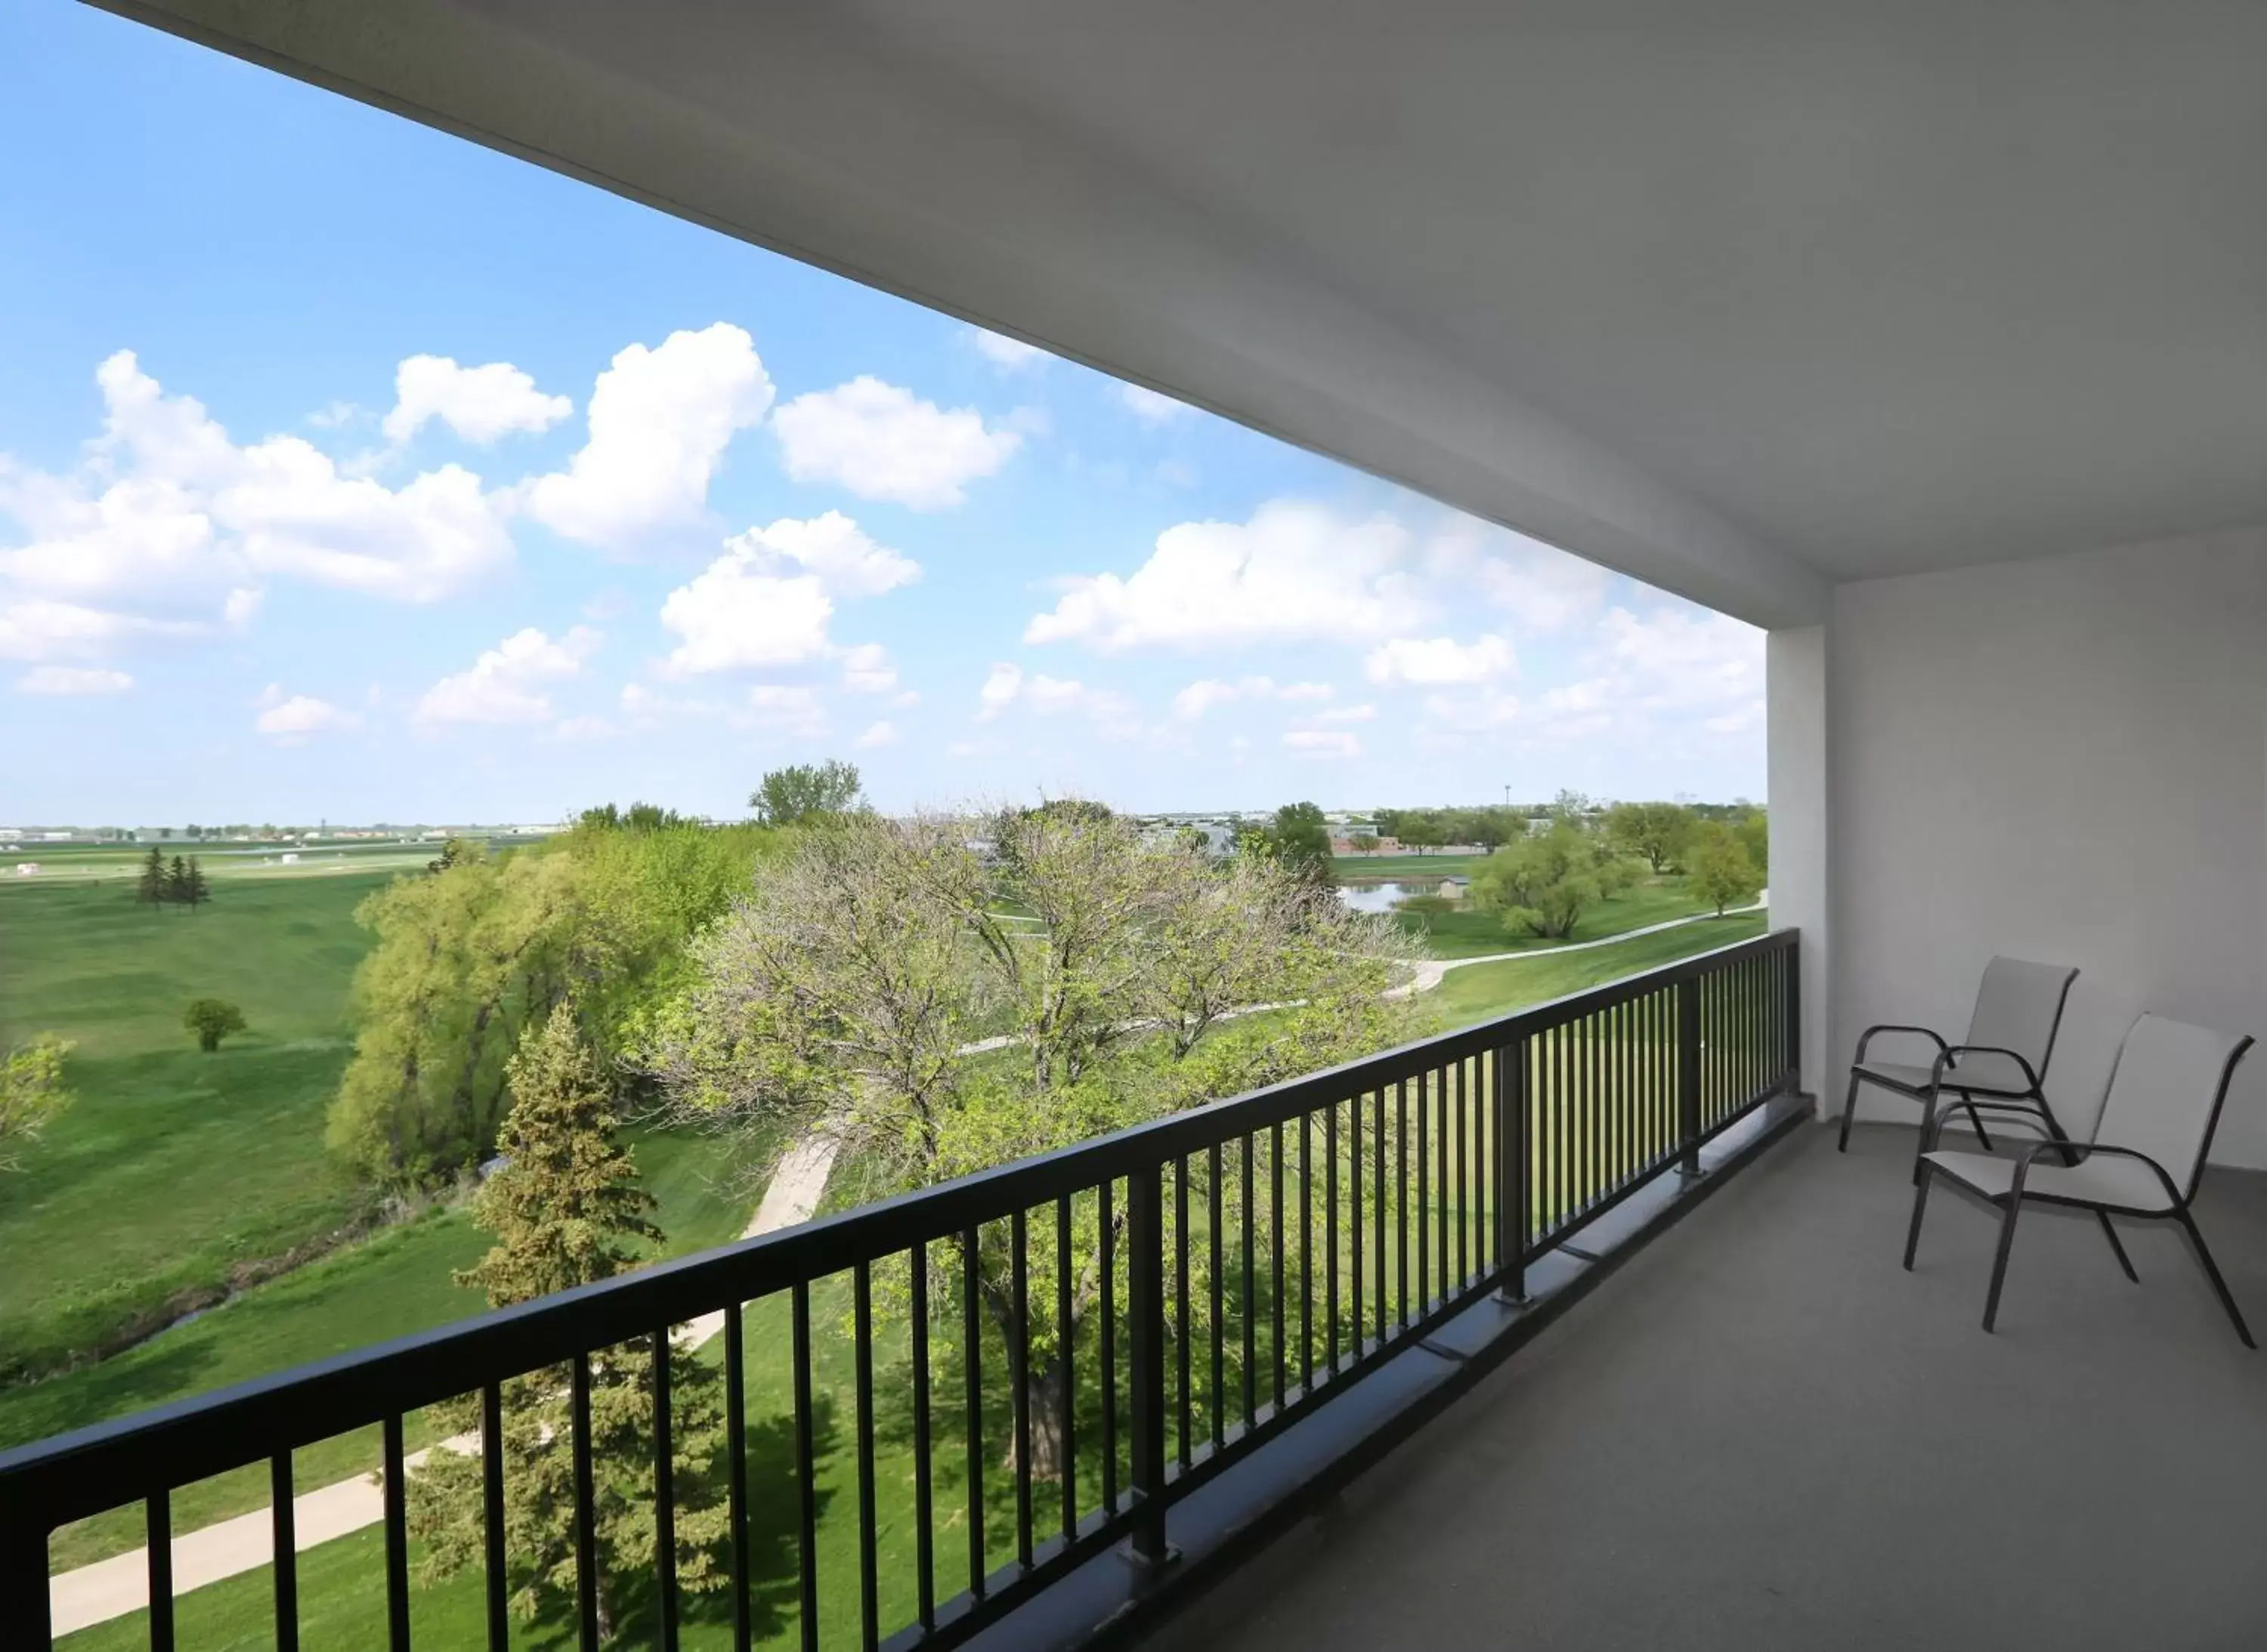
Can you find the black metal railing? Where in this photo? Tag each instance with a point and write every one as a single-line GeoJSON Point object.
{"type": "Point", "coordinates": [1038, 1362]}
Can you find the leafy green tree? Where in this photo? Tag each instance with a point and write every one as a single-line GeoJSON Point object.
{"type": "Point", "coordinates": [32, 1094]}
{"type": "Point", "coordinates": [1298, 839]}
{"type": "Point", "coordinates": [1753, 831]}
{"type": "Point", "coordinates": [1657, 831]}
{"type": "Point", "coordinates": [566, 1210]}
{"type": "Point", "coordinates": [1421, 829]}
{"type": "Point", "coordinates": [1721, 872]}
{"type": "Point", "coordinates": [845, 992]}
{"type": "Point", "coordinates": [1543, 883]}
{"type": "Point", "coordinates": [151, 885]}
{"type": "Point", "coordinates": [212, 1019]}
{"type": "Point", "coordinates": [806, 791]}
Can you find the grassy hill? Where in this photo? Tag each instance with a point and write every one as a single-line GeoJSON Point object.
{"type": "Point", "coordinates": [176, 1172]}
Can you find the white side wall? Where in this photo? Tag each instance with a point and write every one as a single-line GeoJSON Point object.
{"type": "Point", "coordinates": [2064, 760]}
{"type": "Point", "coordinates": [1801, 843]}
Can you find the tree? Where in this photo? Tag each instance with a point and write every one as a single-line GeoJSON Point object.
{"type": "Point", "coordinates": [1542, 883]}
{"type": "Point", "coordinates": [177, 882]}
{"type": "Point", "coordinates": [1298, 839]}
{"type": "Point", "coordinates": [151, 885]}
{"type": "Point", "coordinates": [32, 1094]}
{"type": "Point", "coordinates": [845, 993]}
{"type": "Point", "coordinates": [212, 1019]}
{"type": "Point", "coordinates": [1657, 831]}
{"type": "Point", "coordinates": [1753, 831]}
{"type": "Point", "coordinates": [1721, 872]}
{"type": "Point", "coordinates": [195, 889]}
{"type": "Point", "coordinates": [566, 1210]}
{"type": "Point", "coordinates": [1420, 829]}
{"type": "Point", "coordinates": [805, 791]}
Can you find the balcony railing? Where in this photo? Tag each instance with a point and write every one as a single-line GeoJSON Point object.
{"type": "Point", "coordinates": [1204, 1281]}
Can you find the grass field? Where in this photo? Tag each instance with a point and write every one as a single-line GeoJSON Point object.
{"type": "Point", "coordinates": [1364, 867]}
{"type": "Point", "coordinates": [175, 1169]}
{"type": "Point", "coordinates": [1475, 934]}
{"type": "Point", "coordinates": [1478, 991]}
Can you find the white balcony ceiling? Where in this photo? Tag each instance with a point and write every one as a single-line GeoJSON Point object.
{"type": "Point", "coordinates": [1742, 297]}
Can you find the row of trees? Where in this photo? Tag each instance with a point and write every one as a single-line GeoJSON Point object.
{"type": "Point", "coordinates": [1544, 882]}
{"type": "Point", "coordinates": [1423, 829]}
{"type": "Point", "coordinates": [179, 882]}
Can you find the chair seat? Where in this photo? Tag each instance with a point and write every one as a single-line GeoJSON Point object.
{"type": "Point", "coordinates": [2101, 1180]}
{"type": "Point", "coordinates": [1984, 1073]}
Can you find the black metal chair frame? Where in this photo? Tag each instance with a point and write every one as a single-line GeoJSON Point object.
{"type": "Point", "coordinates": [2010, 1204]}
{"type": "Point", "coordinates": [2028, 1102]}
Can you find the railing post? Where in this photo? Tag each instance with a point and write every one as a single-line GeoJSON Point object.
{"type": "Point", "coordinates": [24, 1581]}
{"type": "Point", "coordinates": [1510, 1124]}
{"type": "Point", "coordinates": [1793, 966]}
{"type": "Point", "coordinates": [1145, 1349]}
{"type": "Point", "coordinates": [1688, 1074]}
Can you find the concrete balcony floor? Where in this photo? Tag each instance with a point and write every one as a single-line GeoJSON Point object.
{"type": "Point", "coordinates": [1764, 1433]}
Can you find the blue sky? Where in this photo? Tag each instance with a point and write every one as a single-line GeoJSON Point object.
{"type": "Point", "coordinates": [349, 470]}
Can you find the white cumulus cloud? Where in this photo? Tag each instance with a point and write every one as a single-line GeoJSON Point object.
{"type": "Point", "coordinates": [660, 420]}
{"type": "Point", "coordinates": [72, 679]}
{"type": "Point", "coordinates": [865, 670]}
{"type": "Point", "coordinates": [290, 719]}
{"type": "Point", "coordinates": [506, 684]}
{"type": "Point", "coordinates": [1428, 661]}
{"type": "Point", "coordinates": [1296, 572]}
{"type": "Point", "coordinates": [1332, 743]}
{"type": "Point", "coordinates": [768, 600]}
{"type": "Point", "coordinates": [481, 404]}
{"type": "Point", "coordinates": [881, 732]}
{"type": "Point", "coordinates": [1112, 713]}
{"type": "Point", "coordinates": [1199, 697]}
{"type": "Point", "coordinates": [1009, 356]}
{"type": "Point", "coordinates": [1151, 407]}
{"type": "Point", "coordinates": [882, 441]}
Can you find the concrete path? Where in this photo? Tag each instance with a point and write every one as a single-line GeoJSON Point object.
{"type": "Point", "coordinates": [112, 1588]}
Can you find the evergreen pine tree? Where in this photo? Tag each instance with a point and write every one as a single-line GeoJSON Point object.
{"type": "Point", "coordinates": [199, 891]}
{"type": "Point", "coordinates": [563, 1207]}
{"type": "Point", "coordinates": [177, 882]}
{"type": "Point", "coordinates": [152, 887]}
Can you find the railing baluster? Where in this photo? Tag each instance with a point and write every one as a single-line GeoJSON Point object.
{"type": "Point", "coordinates": [283, 1547]}
{"type": "Point", "coordinates": [1275, 1252]}
{"type": "Point", "coordinates": [664, 1491]}
{"type": "Point", "coordinates": [1145, 1257]}
{"type": "Point", "coordinates": [586, 1521]}
{"type": "Point", "coordinates": [1250, 1312]}
{"type": "Point", "coordinates": [1331, 1236]}
{"type": "Point", "coordinates": [158, 1534]}
{"type": "Point", "coordinates": [24, 1578]}
{"type": "Point", "coordinates": [1067, 1366]}
{"type": "Point", "coordinates": [735, 1462]}
{"type": "Point", "coordinates": [971, 1357]}
{"type": "Point", "coordinates": [1106, 1248]}
{"type": "Point", "coordinates": [1219, 1323]}
{"type": "Point", "coordinates": [1306, 1252]}
{"type": "Point", "coordinates": [1441, 1145]}
{"type": "Point", "coordinates": [1019, 1375]}
{"type": "Point", "coordinates": [1377, 1198]}
{"type": "Point", "coordinates": [497, 1577]}
{"type": "Point", "coordinates": [870, 1617]}
{"type": "Point", "coordinates": [806, 1467]}
{"type": "Point", "coordinates": [397, 1536]}
{"type": "Point", "coordinates": [924, 1468]}
{"type": "Point", "coordinates": [1688, 1074]}
{"type": "Point", "coordinates": [1356, 1215]}
{"type": "Point", "coordinates": [1424, 1202]}
{"type": "Point", "coordinates": [1181, 1337]}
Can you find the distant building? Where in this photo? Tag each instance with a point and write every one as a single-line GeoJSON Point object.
{"type": "Point", "coordinates": [1371, 846]}
{"type": "Point", "coordinates": [27, 868]}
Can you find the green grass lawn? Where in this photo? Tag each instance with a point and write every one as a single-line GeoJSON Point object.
{"type": "Point", "coordinates": [175, 1168]}
{"type": "Point", "coordinates": [1412, 867]}
{"type": "Point", "coordinates": [1475, 934]}
{"type": "Point", "coordinates": [1478, 991]}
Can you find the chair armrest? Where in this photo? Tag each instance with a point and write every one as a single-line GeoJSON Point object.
{"type": "Point", "coordinates": [1866, 1037]}
{"type": "Point", "coordinates": [2080, 1151]}
{"type": "Point", "coordinates": [1953, 1052]}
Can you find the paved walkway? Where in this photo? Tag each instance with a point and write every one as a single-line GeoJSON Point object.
{"type": "Point", "coordinates": [112, 1588]}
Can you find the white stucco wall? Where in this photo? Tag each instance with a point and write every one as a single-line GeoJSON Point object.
{"type": "Point", "coordinates": [1801, 842]}
{"type": "Point", "coordinates": [2063, 759]}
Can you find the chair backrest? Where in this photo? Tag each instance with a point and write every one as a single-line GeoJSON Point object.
{"type": "Point", "coordinates": [2166, 1094]}
{"type": "Point", "coordinates": [2019, 1008]}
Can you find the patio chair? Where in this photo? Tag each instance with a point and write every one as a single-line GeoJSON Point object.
{"type": "Point", "coordinates": [2146, 1158]}
{"type": "Point", "coordinates": [2000, 1065]}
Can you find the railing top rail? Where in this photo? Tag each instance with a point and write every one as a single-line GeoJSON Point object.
{"type": "Point", "coordinates": [91, 1469]}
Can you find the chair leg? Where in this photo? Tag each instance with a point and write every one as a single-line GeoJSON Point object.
{"type": "Point", "coordinates": [1999, 1262]}
{"type": "Point", "coordinates": [1849, 1107]}
{"type": "Point", "coordinates": [1920, 1203]}
{"type": "Point", "coordinates": [2212, 1273]}
{"type": "Point", "coordinates": [1976, 1119]}
{"type": "Point", "coordinates": [2117, 1249]}
{"type": "Point", "coordinates": [1928, 1132]}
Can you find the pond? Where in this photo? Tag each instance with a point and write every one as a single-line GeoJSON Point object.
{"type": "Point", "coordinates": [1383, 896]}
